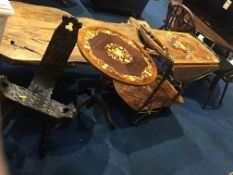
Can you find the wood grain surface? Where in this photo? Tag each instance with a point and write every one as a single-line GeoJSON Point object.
{"type": "Point", "coordinates": [30, 29]}
{"type": "Point", "coordinates": [185, 49]}
{"type": "Point", "coordinates": [135, 96]}
{"type": "Point", "coordinates": [192, 58]}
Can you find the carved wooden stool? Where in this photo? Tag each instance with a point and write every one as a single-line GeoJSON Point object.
{"type": "Point", "coordinates": [38, 95]}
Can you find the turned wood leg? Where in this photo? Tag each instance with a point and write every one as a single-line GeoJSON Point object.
{"type": "Point", "coordinates": [44, 139]}
{"type": "Point", "coordinates": [96, 100]}
{"type": "Point", "coordinates": [107, 115]}
{"type": "Point", "coordinates": [8, 111]}
{"type": "Point", "coordinates": [224, 92]}
{"type": "Point", "coordinates": [212, 88]}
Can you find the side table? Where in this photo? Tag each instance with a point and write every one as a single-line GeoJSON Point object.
{"type": "Point", "coordinates": [117, 57]}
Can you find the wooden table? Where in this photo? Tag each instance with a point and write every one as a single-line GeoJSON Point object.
{"type": "Point", "coordinates": [29, 31]}
{"type": "Point", "coordinates": [192, 59]}
{"type": "Point", "coordinates": [116, 56]}
{"type": "Point", "coordinates": [129, 66]}
{"type": "Point", "coordinates": [136, 96]}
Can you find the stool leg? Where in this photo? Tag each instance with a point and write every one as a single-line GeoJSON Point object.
{"type": "Point", "coordinates": [212, 88]}
{"type": "Point", "coordinates": [107, 115]}
{"type": "Point", "coordinates": [44, 140]}
{"type": "Point", "coordinates": [214, 82]}
{"type": "Point", "coordinates": [7, 113]}
{"type": "Point", "coordinates": [5, 120]}
{"type": "Point", "coordinates": [224, 92]}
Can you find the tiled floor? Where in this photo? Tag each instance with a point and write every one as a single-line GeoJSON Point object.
{"type": "Point", "coordinates": [184, 141]}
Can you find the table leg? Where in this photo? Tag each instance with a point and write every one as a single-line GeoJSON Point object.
{"type": "Point", "coordinates": [138, 117]}
{"type": "Point", "coordinates": [95, 98]}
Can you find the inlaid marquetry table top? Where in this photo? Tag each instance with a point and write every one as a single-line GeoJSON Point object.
{"type": "Point", "coordinates": [186, 49]}
{"type": "Point", "coordinates": [116, 55]}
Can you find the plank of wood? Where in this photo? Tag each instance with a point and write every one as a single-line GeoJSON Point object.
{"type": "Point", "coordinates": [30, 29]}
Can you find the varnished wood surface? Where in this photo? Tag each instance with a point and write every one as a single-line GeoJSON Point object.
{"type": "Point", "coordinates": [187, 73]}
{"type": "Point", "coordinates": [186, 70]}
{"type": "Point", "coordinates": [29, 30]}
{"type": "Point", "coordinates": [201, 60]}
{"type": "Point", "coordinates": [135, 96]}
{"type": "Point", "coordinates": [141, 70]}
{"type": "Point", "coordinates": [185, 49]}
{"type": "Point", "coordinates": [28, 33]}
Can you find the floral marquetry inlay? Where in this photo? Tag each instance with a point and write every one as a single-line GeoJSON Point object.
{"type": "Point", "coordinates": [118, 53]}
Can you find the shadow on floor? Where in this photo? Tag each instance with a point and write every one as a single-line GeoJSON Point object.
{"type": "Point", "coordinates": [88, 135]}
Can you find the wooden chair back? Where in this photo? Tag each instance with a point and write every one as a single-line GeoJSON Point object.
{"type": "Point", "coordinates": [180, 18]}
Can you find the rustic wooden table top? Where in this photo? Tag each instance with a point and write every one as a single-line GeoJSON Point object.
{"type": "Point", "coordinates": [29, 30]}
